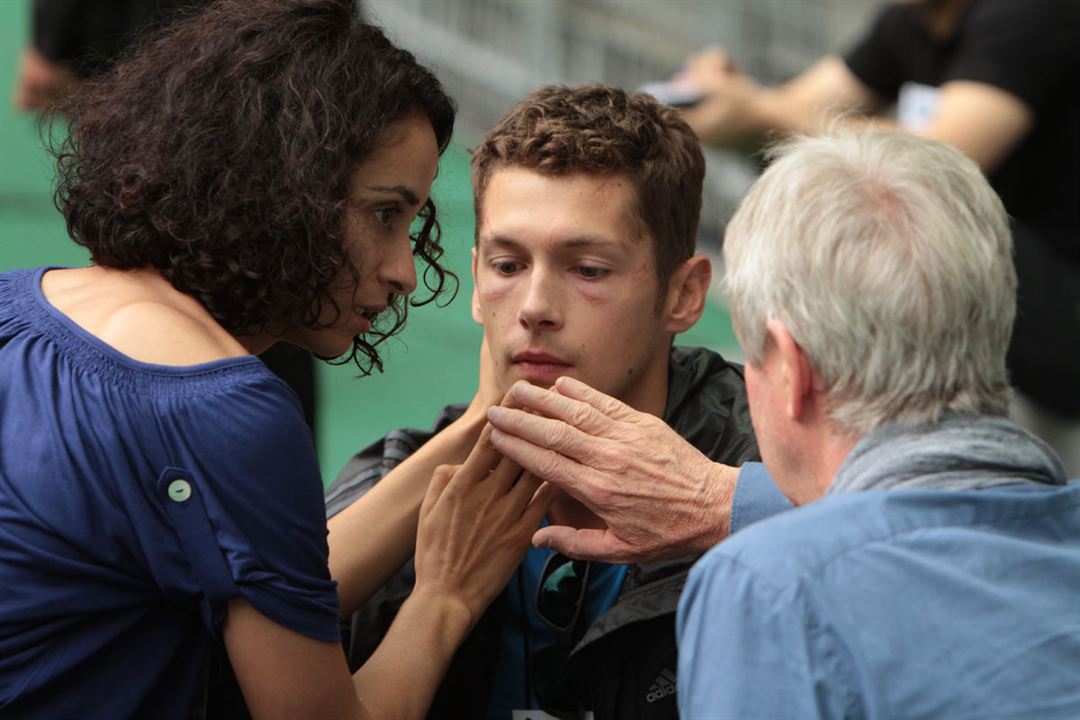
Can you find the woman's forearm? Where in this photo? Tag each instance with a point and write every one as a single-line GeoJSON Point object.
{"type": "Point", "coordinates": [371, 539]}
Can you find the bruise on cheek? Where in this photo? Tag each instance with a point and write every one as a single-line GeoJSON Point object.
{"type": "Point", "coordinates": [595, 297]}
{"type": "Point", "coordinates": [489, 292]}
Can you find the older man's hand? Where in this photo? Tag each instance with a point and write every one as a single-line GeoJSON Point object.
{"type": "Point", "coordinates": [659, 496]}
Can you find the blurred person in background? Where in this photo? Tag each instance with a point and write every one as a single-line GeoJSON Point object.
{"type": "Point", "coordinates": [73, 40]}
{"type": "Point", "coordinates": [997, 79]}
{"type": "Point", "coordinates": [587, 202]}
{"type": "Point", "coordinates": [76, 40]}
{"type": "Point", "coordinates": [255, 173]}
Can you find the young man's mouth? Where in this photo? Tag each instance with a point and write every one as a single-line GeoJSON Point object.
{"type": "Point", "coordinates": [539, 366]}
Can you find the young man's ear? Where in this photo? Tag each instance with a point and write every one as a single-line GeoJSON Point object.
{"type": "Point", "coordinates": [687, 290]}
{"type": "Point", "coordinates": [477, 315]}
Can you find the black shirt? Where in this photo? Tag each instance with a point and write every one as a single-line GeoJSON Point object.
{"type": "Point", "coordinates": [1028, 48]}
{"type": "Point", "coordinates": [88, 35]}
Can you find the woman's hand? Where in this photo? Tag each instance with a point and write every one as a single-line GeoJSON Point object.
{"type": "Point", "coordinates": [476, 524]}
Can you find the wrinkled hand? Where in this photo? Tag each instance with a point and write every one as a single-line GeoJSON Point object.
{"type": "Point", "coordinates": [659, 496]}
{"type": "Point", "coordinates": [475, 525]}
{"type": "Point", "coordinates": [726, 117]}
{"type": "Point", "coordinates": [566, 510]}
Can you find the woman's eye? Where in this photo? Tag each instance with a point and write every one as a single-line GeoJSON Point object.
{"type": "Point", "coordinates": [385, 216]}
{"type": "Point", "coordinates": [591, 273]}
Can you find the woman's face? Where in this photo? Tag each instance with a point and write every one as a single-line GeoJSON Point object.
{"type": "Point", "coordinates": [385, 194]}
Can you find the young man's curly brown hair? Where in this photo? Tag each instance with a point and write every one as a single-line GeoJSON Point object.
{"type": "Point", "coordinates": [220, 151]}
{"type": "Point", "coordinates": [600, 130]}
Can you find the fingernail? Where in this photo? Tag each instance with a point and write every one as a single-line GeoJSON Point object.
{"type": "Point", "coordinates": [496, 435]}
{"type": "Point", "coordinates": [496, 413]}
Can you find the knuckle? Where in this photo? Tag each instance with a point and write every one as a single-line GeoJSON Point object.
{"type": "Point", "coordinates": [547, 464]}
{"type": "Point", "coordinates": [609, 404]}
{"type": "Point", "coordinates": [600, 491]}
{"type": "Point", "coordinates": [556, 434]}
{"type": "Point", "coordinates": [612, 457]}
{"type": "Point", "coordinates": [575, 549]}
{"type": "Point", "coordinates": [579, 415]}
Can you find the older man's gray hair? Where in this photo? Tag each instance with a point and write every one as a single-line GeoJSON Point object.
{"type": "Point", "coordinates": [888, 258]}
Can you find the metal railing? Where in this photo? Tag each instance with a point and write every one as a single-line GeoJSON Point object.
{"type": "Point", "coordinates": [490, 53]}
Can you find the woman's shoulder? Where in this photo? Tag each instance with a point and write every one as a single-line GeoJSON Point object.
{"type": "Point", "coordinates": [139, 315]}
{"type": "Point", "coordinates": [93, 331]}
{"type": "Point", "coordinates": [15, 288]}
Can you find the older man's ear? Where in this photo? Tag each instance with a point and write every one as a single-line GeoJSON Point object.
{"type": "Point", "coordinates": [686, 293]}
{"type": "Point", "coordinates": [798, 379]}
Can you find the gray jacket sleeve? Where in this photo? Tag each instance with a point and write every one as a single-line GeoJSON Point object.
{"type": "Point", "coordinates": [372, 464]}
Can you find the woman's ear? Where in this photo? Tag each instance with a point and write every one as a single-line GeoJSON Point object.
{"type": "Point", "coordinates": [686, 293]}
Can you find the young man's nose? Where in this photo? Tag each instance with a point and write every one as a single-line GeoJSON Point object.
{"type": "Point", "coordinates": [540, 308]}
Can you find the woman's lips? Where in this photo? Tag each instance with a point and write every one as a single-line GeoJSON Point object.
{"type": "Point", "coordinates": [367, 316]}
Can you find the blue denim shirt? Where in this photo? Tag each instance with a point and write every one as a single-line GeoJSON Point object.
{"type": "Point", "coordinates": [890, 604]}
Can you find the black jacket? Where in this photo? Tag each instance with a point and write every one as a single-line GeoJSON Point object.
{"type": "Point", "coordinates": [625, 663]}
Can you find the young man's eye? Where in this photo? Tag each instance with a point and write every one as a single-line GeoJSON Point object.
{"type": "Point", "coordinates": [385, 216]}
{"type": "Point", "coordinates": [506, 267]}
{"type": "Point", "coordinates": [591, 273]}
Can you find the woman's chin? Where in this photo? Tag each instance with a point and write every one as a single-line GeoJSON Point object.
{"type": "Point", "coordinates": [325, 344]}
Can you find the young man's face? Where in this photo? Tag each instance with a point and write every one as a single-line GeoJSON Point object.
{"type": "Point", "coordinates": [566, 283]}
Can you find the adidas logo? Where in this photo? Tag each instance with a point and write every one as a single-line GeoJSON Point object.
{"type": "Point", "coordinates": [663, 686]}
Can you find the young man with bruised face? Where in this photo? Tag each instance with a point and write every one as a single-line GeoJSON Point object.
{"type": "Point", "coordinates": [587, 203]}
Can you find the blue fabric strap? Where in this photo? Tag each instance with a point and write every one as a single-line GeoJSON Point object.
{"type": "Point", "coordinates": [179, 494]}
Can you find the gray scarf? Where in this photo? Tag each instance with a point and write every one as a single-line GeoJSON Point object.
{"type": "Point", "coordinates": [956, 453]}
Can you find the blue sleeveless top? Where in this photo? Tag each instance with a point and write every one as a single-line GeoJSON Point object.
{"type": "Point", "coordinates": [137, 500]}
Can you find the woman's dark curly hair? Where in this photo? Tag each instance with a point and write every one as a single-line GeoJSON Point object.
{"type": "Point", "coordinates": [220, 150]}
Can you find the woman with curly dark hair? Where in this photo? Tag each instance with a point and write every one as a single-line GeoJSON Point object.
{"type": "Point", "coordinates": [249, 175]}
